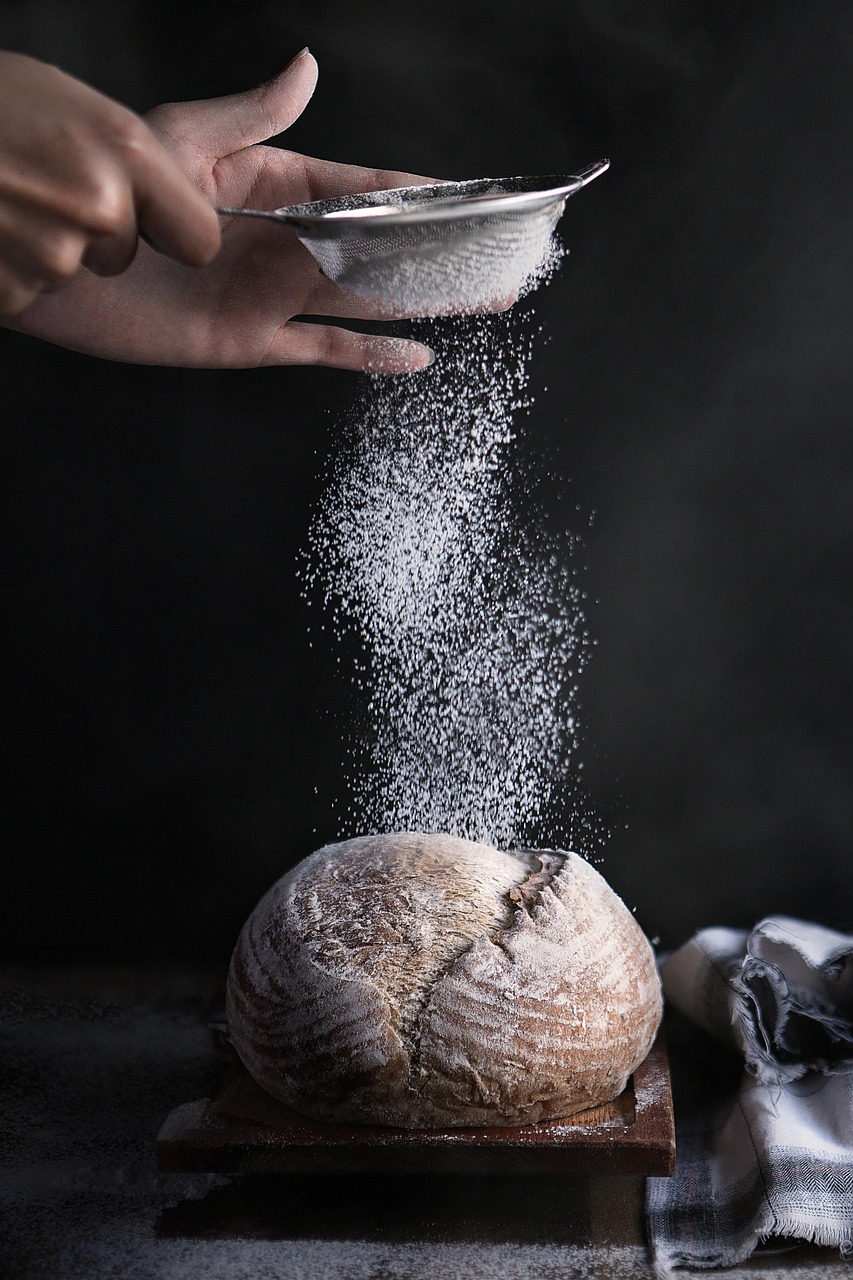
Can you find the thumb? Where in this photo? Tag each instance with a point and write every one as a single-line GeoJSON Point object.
{"type": "Point", "coordinates": [220, 126]}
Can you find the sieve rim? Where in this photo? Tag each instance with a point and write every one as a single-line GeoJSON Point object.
{"type": "Point", "coordinates": [464, 200]}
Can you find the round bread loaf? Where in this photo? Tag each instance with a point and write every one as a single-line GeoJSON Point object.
{"type": "Point", "coordinates": [425, 981]}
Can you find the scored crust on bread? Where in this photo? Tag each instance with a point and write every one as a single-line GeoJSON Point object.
{"type": "Point", "coordinates": [425, 981]}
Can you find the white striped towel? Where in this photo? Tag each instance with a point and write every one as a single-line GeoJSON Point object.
{"type": "Point", "coordinates": [764, 1140]}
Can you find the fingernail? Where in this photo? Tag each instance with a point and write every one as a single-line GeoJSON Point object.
{"type": "Point", "coordinates": [420, 368]}
{"type": "Point", "coordinates": [299, 56]}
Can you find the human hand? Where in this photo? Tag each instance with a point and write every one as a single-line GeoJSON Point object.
{"type": "Point", "coordinates": [239, 311]}
{"type": "Point", "coordinates": [81, 177]}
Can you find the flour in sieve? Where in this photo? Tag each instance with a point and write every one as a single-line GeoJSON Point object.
{"type": "Point", "coordinates": [430, 548]}
{"type": "Point", "coordinates": [464, 266]}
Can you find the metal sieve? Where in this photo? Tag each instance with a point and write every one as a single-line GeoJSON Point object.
{"type": "Point", "coordinates": [440, 246]}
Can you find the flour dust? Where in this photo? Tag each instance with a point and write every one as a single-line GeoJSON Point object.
{"type": "Point", "coordinates": [431, 550]}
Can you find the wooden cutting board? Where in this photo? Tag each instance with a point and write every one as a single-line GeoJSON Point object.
{"type": "Point", "coordinates": [244, 1130]}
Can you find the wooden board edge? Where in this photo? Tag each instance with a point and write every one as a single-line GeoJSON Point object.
{"type": "Point", "coordinates": [188, 1142]}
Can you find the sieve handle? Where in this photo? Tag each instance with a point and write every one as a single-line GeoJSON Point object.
{"type": "Point", "coordinates": [292, 219]}
{"type": "Point", "coordinates": [253, 213]}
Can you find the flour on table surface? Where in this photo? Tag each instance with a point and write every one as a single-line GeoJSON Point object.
{"type": "Point", "coordinates": [84, 1090]}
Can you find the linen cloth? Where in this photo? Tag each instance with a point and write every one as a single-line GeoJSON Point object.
{"type": "Point", "coordinates": [763, 1085]}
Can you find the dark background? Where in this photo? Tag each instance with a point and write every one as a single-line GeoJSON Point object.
{"type": "Point", "coordinates": [163, 733]}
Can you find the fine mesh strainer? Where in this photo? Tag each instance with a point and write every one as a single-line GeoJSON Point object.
{"type": "Point", "coordinates": [445, 246]}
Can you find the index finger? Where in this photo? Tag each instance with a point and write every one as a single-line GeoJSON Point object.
{"type": "Point", "coordinates": [172, 213]}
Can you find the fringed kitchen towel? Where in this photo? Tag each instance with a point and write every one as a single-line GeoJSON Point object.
{"type": "Point", "coordinates": [765, 1138]}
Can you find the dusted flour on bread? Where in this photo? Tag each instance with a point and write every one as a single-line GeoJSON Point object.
{"type": "Point", "coordinates": [427, 981]}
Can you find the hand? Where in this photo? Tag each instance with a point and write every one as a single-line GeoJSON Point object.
{"type": "Point", "coordinates": [239, 311]}
{"type": "Point", "coordinates": [80, 178]}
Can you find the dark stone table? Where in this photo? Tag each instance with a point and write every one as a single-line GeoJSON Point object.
{"type": "Point", "coordinates": [91, 1063]}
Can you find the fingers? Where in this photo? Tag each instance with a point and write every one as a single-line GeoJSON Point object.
{"type": "Point", "coordinates": [220, 126]}
{"type": "Point", "coordinates": [15, 292]}
{"type": "Point", "coordinates": [100, 228]}
{"type": "Point", "coordinates": [37, 252]}
{"type": "Point", "coordinates": [179, 223]}
{"type": "Point", "coordinates": [324, 179]}
{"type": "Point", "coordinates": [329, 299]}
{"type": "Point", "coordinates": [111, 254]}
{"type": "Point", "coordinates": [336, 348]}
{"type": "Point", "coordinates": [80, 172]}
{"type": "Point", "coordinates": [171, 211]}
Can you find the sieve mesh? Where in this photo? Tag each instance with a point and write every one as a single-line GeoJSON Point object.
{"type": "Point", "coordinates": [464, 264]}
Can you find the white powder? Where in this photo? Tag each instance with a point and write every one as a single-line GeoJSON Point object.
{"type": "Point", "coordinates": [460, 265]}
{"type": "Point", "coordinates": [431, 548]}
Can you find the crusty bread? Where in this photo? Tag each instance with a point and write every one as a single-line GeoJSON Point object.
{"type": "Point", "coordinates": [425, 981]}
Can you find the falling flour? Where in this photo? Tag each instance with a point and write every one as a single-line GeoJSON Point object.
{"type": "Point", "coordinates": [432, 550]}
